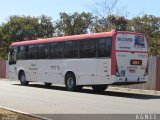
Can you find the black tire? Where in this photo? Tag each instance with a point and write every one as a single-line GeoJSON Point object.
{"type": "Point", "coordinates": [23, 79]}
{"type": "Point", "coordinates": [47, 84]}
{"type": "Point", "coordinates": [70, 82]}
{"type": "Point", "coordinates": [99, 88]}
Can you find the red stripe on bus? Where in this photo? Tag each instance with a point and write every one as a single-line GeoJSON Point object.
{"type": "Point", "coordinates": [113, 59]}
{"type": "Point", "coordinates": [65, 38]}
{"type": "Point", "coordinates": [128, 32]}
{"type": "Point", "coordinates": [73, 37]}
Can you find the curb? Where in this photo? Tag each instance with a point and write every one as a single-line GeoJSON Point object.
{"type": "Point", "coordinates": [23, 113]}
{"type": "Point", "coordinates": [131, 90]}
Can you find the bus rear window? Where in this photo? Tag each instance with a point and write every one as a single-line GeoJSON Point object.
{"type": "Point", "coordinates": [131, 42]}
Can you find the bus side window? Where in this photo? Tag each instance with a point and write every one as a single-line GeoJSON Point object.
{"type": "Point", "coordinates": [71, 49]}
{"type": "Point", "coordinates": [87, 48]}
{"type": "Point", "coordinates": [56, 50]}
{"type": "Point", "coordinates": [31, 52]}
{"type": "Point", "coordinates": [43, 51]}
{"type": "Point", "coordinates": [21, 54]}
{"type": "Point", "coordinates": [104, 47]}
{"type": "Point", "coordinates": [12, 55]}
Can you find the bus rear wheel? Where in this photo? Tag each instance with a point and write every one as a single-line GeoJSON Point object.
{"type": "Point", "coordinates": [23, 79]}
{"type": "Point", "coordinates": [99, 88]}
{"type": "Point", "coordinates": [70, 82]}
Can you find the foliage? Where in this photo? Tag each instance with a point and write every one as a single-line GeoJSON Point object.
{"type": "Point", "coordinates": [149, 25]}
{"type": "Point", "coordinates": [73, 24]}
{"type": "Point", "coordinates": [108, 16]}
{"type": "Point", "coordinates": [154, 48]}
{"type": "Point", "coordinates": [117, 22]}
{"type": "Point", "coordinates": [19, 28]}
{"type": "Point", "coordinates": [111, 22]}
{"type": "Point", "coordinates": [24, 28]}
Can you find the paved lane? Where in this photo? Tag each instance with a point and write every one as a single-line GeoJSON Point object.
{"type": "Point", "coordinates": [36, 99]}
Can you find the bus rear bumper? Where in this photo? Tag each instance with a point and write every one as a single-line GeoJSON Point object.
{"type": "Point", "coordinates": [129, 80]}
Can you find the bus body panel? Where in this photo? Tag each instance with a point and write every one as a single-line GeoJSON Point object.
{"type": "Point", "coordinates": [12, 73]}
{"type": "Point", "coordinates": [39, 70]}
{"type": "Point", "coordinates": [89, 71]}
{"type": "Point", "coordinates": [82, 68]}
{"type": "Point", "coordinates": [125, 67]}
{"type": "Point", "coordinates": [132, 73]}
{"type": "Point", "coordinates": [103, 71]}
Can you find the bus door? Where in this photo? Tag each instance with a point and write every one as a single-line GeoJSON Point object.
{"type": "Point", "coordinates": [12, 59]}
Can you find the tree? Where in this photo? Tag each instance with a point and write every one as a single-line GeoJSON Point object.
{"type": "Point", "coordinates": [104, 8]}
{"type": "Point", "coordinates": [2, 46]}
{"type": "Point", "coordinates": [117, 22]}
{"type": "Point", "coordinates": [108, 16]}
{"type": "Point", "coordinates": [154, 48]}
{"type": "Point", "coordinates": [19, 28]}
{"type": "Point", "coordinates": [73, 24]}
{"type": "Point", "coordinates": [45, 27]}
{"type": "Point", "coordinates": [26, 28]}
{"type": "Point", "coordinates": [149, 25]}
{"type": "Point", "coordinates": [111, 22]}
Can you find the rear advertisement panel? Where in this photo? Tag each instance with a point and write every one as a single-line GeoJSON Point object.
{"type": "Point", "coordinates": [131, 42]}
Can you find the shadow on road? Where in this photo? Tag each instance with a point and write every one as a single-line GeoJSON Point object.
{"type": "Point", "coordinates": [105, 93]}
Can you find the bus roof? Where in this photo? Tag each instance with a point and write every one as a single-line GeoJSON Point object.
{"type": "Point", "coordinates": [73, 37]}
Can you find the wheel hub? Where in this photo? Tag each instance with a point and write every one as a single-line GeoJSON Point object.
{"type": "Point", "coordinates": [70, 82]}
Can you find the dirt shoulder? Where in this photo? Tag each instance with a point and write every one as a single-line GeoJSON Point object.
{"type": "Point", "coordinates": [10, 115]}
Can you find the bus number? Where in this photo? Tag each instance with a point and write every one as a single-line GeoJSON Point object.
{"type": "Point", "coordinates": [136, 62]}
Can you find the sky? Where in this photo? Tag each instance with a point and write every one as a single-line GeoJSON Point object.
{"type": "Point", "coordinates": [52, 8]}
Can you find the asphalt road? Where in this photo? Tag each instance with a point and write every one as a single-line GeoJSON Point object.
{"type": "Point", "coordinates": [42, 101]}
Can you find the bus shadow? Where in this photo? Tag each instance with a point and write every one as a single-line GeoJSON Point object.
{"type": "Point", "coordinates": [105, 93]}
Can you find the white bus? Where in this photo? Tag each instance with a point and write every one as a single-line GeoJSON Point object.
{"type": "Point", "coordinates": [97, 60]}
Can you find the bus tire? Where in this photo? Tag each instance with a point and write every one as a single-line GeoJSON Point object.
{"type": "Point", "coordinates": [99, 88]}
{"type": "Point", "coordinates": [23, 79]}
{"type": "Point", "coordinates": [47, 84]}
{"type": "Point", "coordinates": [70, 82]}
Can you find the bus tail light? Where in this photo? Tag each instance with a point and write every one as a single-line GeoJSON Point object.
{"type": "Point", "coordinates": [146, 71]}
{"type": "Point", "coordinates": [117, 71]}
